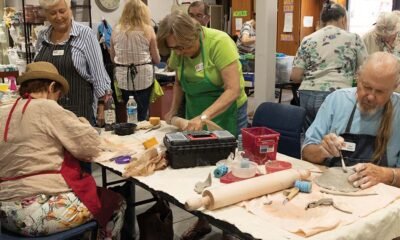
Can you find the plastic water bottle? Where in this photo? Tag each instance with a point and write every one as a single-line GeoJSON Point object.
{"type": "Point", "coordinates": [109, 111]}
{"type": "Point", "coordinates": [131, 110]}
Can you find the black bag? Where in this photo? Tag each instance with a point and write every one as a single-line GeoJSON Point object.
{"type": "Point", "coordinates": [156, 223]}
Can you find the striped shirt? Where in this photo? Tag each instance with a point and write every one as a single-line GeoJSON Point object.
{"type": "Point", "coordinates": [248, 29]}
{"type": "Point", "coordinates": [86, 56]}
{"type": "Point", "coordinates": [132, 47]}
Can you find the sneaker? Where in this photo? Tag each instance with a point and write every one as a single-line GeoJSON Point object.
{"type": "Point", "coordinates": [197, 230]}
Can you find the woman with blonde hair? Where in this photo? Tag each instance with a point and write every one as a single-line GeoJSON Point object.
{"type": "Point", "coordinates": [134, 51]}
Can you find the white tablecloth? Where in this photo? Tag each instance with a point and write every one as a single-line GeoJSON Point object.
{"type": "Point", "coordinates": [179, 183]}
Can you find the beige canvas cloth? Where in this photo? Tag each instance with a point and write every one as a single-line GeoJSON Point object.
{"type": "Point", "coordinates": [294, 218]}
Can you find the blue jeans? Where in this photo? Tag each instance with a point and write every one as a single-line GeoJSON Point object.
{"type": "Point", "coordinates": [142, 98]}
{"type": "Point", "coordinates": [242, 117]}
{"type": "Point", "coordinates": [311, 101]}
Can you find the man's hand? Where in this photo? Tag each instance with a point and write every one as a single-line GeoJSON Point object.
{"type": "Point", "coordinates": [367, 175]}
{"type": "Point", "coordinates": [332, 144]}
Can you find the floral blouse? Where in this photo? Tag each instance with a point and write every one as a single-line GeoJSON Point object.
{"type": "Point", "coordinates": [330, 58]}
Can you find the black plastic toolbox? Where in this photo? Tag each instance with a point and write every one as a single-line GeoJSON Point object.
{"type": "Point", "coordinates": [198, 148]}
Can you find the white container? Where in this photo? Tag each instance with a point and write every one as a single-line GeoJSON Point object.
{"type": "Point", "coordinates": [21, 65]}
{"type": "Point", "coordinates": [284, 69]}
{"type": "Point", "coordinates": [12, 55]}
{"type": "Point", "coordinates": [244, 172]}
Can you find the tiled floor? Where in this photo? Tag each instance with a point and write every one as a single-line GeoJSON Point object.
{"type": "Point", "coordinates": [182, 219]}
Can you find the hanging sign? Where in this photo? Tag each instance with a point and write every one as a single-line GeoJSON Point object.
{"type": "Point", "coordinates": [240, 13]}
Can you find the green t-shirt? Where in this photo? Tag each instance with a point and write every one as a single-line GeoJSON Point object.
{"type": "Point", "coordinates": [219, 52]}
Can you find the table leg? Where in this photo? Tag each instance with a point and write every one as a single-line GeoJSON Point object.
{"type": "Point", "coordinates": [130, 218]}
{"type": "Point", "coordinates": [104, 177]}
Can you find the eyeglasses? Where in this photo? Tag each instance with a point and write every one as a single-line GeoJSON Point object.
{"type": "Point", "coordinates": [197, 16]}
{"type": "Point", "coordinates": [177, 47]}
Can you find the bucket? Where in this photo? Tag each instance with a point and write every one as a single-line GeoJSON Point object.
{"type": "Point", "coordinates": [260, 144]}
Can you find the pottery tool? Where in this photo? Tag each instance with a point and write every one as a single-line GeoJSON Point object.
{"type": "Point", "coordinates": [154, 127]}
{"type": "Point", "coordinates": [341, 155]}
{"type": "Point", "coordinates": [326, 202]}
{"type": "Point", "coordinates": [293, 192]}
{"type": "Point", "coordinates": [342, 160]}
{"type": "Point", "coordinates": [226, 195]}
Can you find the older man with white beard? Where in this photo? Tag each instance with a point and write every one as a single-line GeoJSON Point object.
{"type": "Point", "coordinates": [363, 123]}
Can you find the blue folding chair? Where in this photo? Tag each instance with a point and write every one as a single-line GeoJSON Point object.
{"type": "Point", "coordinates": [71, 234]}
{"type": "Point", "coordinates": [287, 120]}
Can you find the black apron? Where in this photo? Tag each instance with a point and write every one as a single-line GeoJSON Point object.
{"type": "Point", "coordinates": [79, 99]}
{"type": "Point", "coordinates": [364, 150]}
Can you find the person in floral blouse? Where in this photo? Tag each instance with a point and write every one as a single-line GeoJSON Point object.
{"type": "Point", "coordinates": [327, 60]}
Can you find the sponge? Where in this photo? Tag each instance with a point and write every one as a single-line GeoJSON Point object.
{"type": "Point", "coordinates": [154, 121]}
{"type": "Point", "coordinates": [150, 143]}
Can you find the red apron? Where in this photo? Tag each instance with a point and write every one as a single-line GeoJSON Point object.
{"type": "Point", "coordinates": [101, 202]}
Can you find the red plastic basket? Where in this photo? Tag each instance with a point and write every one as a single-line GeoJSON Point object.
{"type": "Point", "coordinates": [260, 144]}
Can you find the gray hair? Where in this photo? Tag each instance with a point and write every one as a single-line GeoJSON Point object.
{"type": "Point", "coordinates": [382, 62]}
{"type": "Point", "coordinates": [205, 6]}
{"type": "Point", "coordinates": [185, 29]}
{"type": "Point", "coordinates": [388, 23]}
{"type": "Point", "coordinates": [46, 4]}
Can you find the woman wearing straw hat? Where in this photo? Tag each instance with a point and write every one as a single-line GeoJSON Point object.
{"type": "Point", "coordinates": [40, 175]}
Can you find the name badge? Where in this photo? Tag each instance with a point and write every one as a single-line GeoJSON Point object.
{"type": "Point", "coordinates": [349, 146]}
{"type": "Point", "coordinates": [58, 52]}
{"type": "Point", "coordinates": [199, 67]}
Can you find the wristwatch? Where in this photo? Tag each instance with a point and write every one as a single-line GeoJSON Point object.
{"type": "Point", "coordinates": [203, 117]}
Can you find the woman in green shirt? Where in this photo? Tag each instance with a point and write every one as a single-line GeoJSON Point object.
{"type": "Point", "coordinates": [209, 74]}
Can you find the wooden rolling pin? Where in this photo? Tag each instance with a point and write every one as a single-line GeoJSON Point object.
{"type": "Point", "coordinates": [232, 193]}
{"type": "Point", "coordinates": [182, 123]}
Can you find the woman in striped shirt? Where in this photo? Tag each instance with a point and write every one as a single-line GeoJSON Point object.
{"type": "Point", "coordinates": [75, 51]}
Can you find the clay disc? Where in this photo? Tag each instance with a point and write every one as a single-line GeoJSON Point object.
{"type": "Point", "coordinates": [335, 179]}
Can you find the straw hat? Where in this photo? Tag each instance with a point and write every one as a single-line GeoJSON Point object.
{"type": "Point", "coordinates": [43, 70]}
{"type": "Point", "coordinates": [387, 23]}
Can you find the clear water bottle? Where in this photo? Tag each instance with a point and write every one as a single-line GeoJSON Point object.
{"type": "Point", "coordinates": [109, 111]}
{"type": "Point", "coordinates": [131, 110]}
